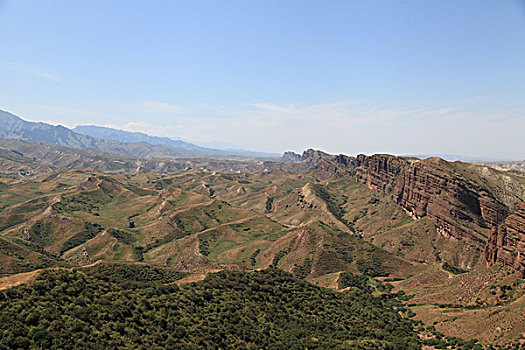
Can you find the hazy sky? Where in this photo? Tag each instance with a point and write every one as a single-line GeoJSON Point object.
{"type": "Point", "coordinates": [401, 77]}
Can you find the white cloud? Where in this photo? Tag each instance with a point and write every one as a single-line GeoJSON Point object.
{"type": "Point", "coordinates": [338, 127]}
{"type": "Point", "coordinates": [146, 128]}
{"type": "Point", "coordinates": [135, 125]}
{"type": "Point", "coordinates": [347, 127]}
{"type": "Point", "coordinates": [55, 123]}
{"type": "Point", "coordinates": [162, 107]}
{"type": "Point", "coordinates": [319, 111]}
{"type": "Point", "coordinates": [68, 111]}
{"type": "Point", "coordinates": [341, 114]}
{"type": "Point", "coordinates": [29, 70]}
{"type": "Point", "coordinates": [274, 127]}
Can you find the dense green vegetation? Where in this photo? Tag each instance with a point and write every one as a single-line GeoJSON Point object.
{"type": "Point", "coordinates": [9, 220]}
{"type": "Point", "coordinates": [368, 259]}
{"type": "Point", "coordinates": [229, 310]}
{"type": "Point", "coordinates": [134, 273]}
{"type": "Point", "coordinates": [453, 269]}
{"type": "Point", "coordinates": [26, 256]}
{"type": "Point", "coordinates": [204, 246]}
{"type": "Point", "coordinates": [279, 256]}
{"type": "Point", "coordinates": [439, 341]}
{"type": "Point", "coordinates": [269, 204]}
{"type": "Point", "coordinates": [123, 236]}
{"type": "Point", "coordinates": [253, 257]}
{"type": "Point", "coordinates": [39, 232]}
{"type": "Point", "coordinates": [335, 208]}
{"type": "Point", "coordinates": [372, 266]}
{"type": "Point", "coordinates": [88, 202]}
{"type": "Point", "coordinates": [90, 231]}
{"type": "Point", "coordinates": [351, 280]}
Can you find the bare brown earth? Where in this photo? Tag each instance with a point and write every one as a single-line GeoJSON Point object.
{"type": "Point", "coordinates": [425, 226]}
{"type": "Point", "coordinates": [488, 304]}
{"type": "Point", "coordinates": [198, 276]}
{"type": "Point", "coordinates": [17, 279]}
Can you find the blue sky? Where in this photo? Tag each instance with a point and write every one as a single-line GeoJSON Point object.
{"type": "Point", "coordinates": [403, 77]}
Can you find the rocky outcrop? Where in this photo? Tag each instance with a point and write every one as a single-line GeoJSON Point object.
{"type": "Point", "coordinates": [314, 157]}
{"type": "Point", "coordinates": [460, 207]}
{"type": "Point", "coordinates": [506, 244]}
{"type": "Point", "coordinates": [291, 157]}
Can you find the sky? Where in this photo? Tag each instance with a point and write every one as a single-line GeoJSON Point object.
{"type": "Point", "coordinates": [400, 77]}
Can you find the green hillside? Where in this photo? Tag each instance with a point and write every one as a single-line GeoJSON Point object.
{"type": "Point", "coordinates": [267, 309]}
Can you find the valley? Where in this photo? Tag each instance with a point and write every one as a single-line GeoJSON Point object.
{"type": "Point", "coordinates": [447, 236]}
{"type": "Point", "coordinates": [262, 175]}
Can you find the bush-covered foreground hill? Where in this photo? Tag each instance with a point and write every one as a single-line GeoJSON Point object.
{"type": "Point", "coordinates": [267, 309]}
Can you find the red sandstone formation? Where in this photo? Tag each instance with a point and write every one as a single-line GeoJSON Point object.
{"type": "Point", "coordinates": [506, 244]}
{"type": "Point", "coordinates": [460, 207]}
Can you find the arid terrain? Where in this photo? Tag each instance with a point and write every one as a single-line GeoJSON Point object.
{"type": "Point", "coordinates": [450, 237]}
{"type": "Point", "coordinates": [262, 175]}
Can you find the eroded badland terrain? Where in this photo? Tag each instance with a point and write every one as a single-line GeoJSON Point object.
{"type": "Point", "coordinates": [447, 239]}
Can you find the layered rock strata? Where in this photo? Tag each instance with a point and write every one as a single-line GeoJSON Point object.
{"type": "Point", "coordinates": [461, 209]}
{"type": "Point", "coordinates": [506, 244]}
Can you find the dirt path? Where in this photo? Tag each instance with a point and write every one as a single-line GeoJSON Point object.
{"type": "Point", "coordinates": [195, 277]}
{"type": "Point", "coordinates": [25, 277]}
{"type": "Point", "coordinates": [185, 208]}
{"type": "Point", "coordinates": [15, 280]}
{"type": "Point", "coordinates": [240, 221]}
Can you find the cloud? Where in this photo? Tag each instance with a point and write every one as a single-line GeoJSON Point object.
{"type": "Point", "coordinates": [273, 127]}
{"type": "Point", "coordinates": [55, 123]}
{"type": "Point", "coordinates": [59, 115]}
{"type": "Point", "coordinates": [334, 114]}
{"type": "Point", "coordinates": [130, 126]}
{"type": "Point", "coordinates": [29, 70]}
{"type": "Point", "coordinates": [162, 107]}
{"type": "Point", "coordinates": [337, 126]}
{"type": "Point", "coordinates": [67, 111]}
{"type": "Point", "coordinates": [313, 111]}
{"type": "Point", "coordinates": [340, 126]}
{"type": "Point", "coordinates": [143, 127]}
{"type": "Point", "coordinates": [135, 125]}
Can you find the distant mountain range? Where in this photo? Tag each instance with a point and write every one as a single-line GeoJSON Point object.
{"type": "Point", "coordinates": [140, 145]}
{"type": "Point", "coordinates": [111, 134]}
{"type": "Point", "coordinates": [454, 158]}
{"type": "Point", "coordinates": [134, 144]}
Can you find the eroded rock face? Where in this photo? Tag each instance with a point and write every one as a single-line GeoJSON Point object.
{"type": "Point", "coordinates": [461, 208]}
{"type": "Point", "coordinates": [313, 157]}
{"type": "Point", "coordinates": [506, 244]}
{"type": "Point", "coordinates": [291, 157]}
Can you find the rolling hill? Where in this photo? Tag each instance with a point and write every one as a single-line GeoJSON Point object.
{"type": "Point", "coordinates": [446, 238]}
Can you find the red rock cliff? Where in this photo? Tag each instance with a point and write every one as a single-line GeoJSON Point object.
{"type": "Point", "coordinates": [506, 244]}
{"type": "Point", "coordinates": [460, 207]}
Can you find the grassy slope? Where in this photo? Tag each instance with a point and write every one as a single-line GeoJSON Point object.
{"type": "Point", "coordinates": [202, 221]}
{"type": "Point", "coordinates": [177, 221]}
